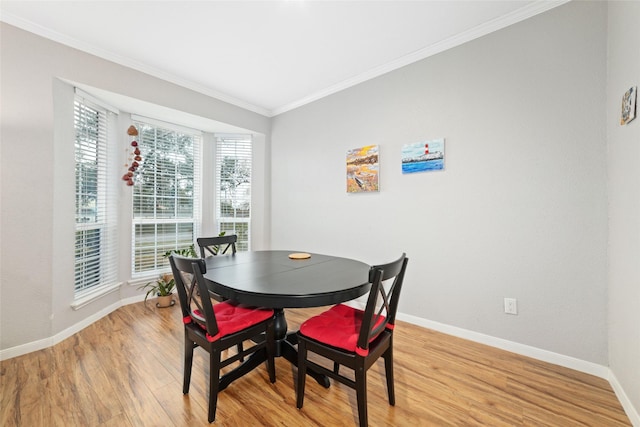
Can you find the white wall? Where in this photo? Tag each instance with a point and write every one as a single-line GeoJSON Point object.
{"type": "Point", "coordinates": [520, 210]}
{"type": "Point", "coordinates": [37, 187]}
{"type": "Point", "coordinates": [624, 201]}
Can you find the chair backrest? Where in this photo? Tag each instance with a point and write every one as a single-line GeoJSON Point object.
{"type": "Point", "coordinates": [213, 245]}
{"type": "Point", "coordinates": [193, 293]}
{"type": "Point", "coordinates": [382, 304]}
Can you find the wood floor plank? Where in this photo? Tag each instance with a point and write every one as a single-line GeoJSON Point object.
{"type": "Point", "coordinates": [30, 403]}
{"type": "Point", "coordinates": [126, 370]}
{"type": "Point", "coordinates": [9, 390]}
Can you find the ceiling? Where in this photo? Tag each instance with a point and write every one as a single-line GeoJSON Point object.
{"type": "Point", "coordinates": [266, 56]}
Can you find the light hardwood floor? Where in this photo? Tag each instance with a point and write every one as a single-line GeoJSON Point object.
{"type": "Point", "coordinates": [126, 370]}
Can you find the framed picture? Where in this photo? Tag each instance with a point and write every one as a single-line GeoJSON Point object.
{"type": "Point", "coordinates": [362, 169]}
{"type": "Point", "coordinates": [629, 105]}
{"type": "Point", "coordinates": [423, 156]}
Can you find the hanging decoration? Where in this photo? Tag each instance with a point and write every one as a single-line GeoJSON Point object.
{"type": "Point", "coordinates": [133, 158]}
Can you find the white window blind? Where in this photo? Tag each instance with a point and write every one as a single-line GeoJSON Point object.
{"type": "Point", "coordinates": [233, 186]}
{"type": "Point", "coordinates": [165, 195]}
{"type": "Point", "coordinates": [95, 242]}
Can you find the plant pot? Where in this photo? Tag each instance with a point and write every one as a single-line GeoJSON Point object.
{"type": "Point", "coordinates": [165, 301]}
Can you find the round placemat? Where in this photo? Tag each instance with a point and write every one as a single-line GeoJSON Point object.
{"type": "Point", "coordinates": [300, 255]}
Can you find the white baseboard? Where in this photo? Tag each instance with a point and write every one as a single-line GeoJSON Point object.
{"type": "Point", "coordinates": [632, 413]}
{"type": "Point", "coordinates": [514, 347]}
{"type": "Point", "coordinates": [62, 335]}
{"type": "Point", "coordinates": [536, 353]}
{"type": "Point", "coordinates": [132, 300]}
{"type": "Point", "coordinates": [29, 347]}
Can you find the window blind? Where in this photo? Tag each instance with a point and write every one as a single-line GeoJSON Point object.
{"type": "Point", "coordinates": [95, 236]}
{"type": "Point", "coordinates": [165, 195]}
{"type": "Point", "coordinates": [233, 186]}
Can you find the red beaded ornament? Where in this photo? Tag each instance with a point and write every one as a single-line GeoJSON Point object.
{"type": "Point", "coordinates": [133, 159]}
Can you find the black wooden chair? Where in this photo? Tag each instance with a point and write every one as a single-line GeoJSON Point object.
{"type": "Point", "coordinates": [355, 338]}
{"type": "Point", "coordinates": [217, 327]}
{"type": "Point", "coordinates": [214, 245]}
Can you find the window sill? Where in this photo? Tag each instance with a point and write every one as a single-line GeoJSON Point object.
{"type": "Point", "coordinates": [92, 295]}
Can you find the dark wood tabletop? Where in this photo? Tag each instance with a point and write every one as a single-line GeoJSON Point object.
{"type": "Point", "coordinates": [272, 279]}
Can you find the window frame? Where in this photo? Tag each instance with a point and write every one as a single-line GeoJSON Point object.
{"type": "Point", "coordinates": [159, 264]}
{"type": "Point", "coordinates": [235, 224]}
{"type": "Point", "coordinates": [95, 265]}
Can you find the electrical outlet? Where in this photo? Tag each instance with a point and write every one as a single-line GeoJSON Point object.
{"type": "Point", "coordinates": [510, 306]}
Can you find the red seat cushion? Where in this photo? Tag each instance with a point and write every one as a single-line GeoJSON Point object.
{"type": "Point", "coordinates": [233, 317]}
{"type": "Point", "coordinates": [338, 327]}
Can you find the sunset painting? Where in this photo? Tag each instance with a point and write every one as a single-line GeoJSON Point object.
{"type": "Point", "coordinates": [362, 169]}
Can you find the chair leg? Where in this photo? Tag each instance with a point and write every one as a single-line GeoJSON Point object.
{"type": "Point", "coordinates": [302, 373]}
{"type": "Point", "coordinates": [361, 394]}
{"type": "Point", "coordinates": [214, 382]}
{"type": "Point", "coordinates": [240, 350]}
{"type": "Point", "coordinates": [388, 366]}
{"type": "Point", "coordinates": [188, 362]}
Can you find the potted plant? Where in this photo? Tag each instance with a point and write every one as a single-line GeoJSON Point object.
{"type": "Point", "coordinates": [216, 248]}
{"type": "Point", "coordinates": [190, 252]}
{"type": "Point", "coordinates": [163, 288]}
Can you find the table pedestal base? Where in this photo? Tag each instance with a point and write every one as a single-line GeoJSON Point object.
{"type": "Point", "coordinates": [285, 347]}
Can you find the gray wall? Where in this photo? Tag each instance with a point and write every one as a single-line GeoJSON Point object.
{"type": "Point", "coordinates": [37, 181]}
{"type": "Point", "coordinates": [520, 210]}
{"type": "Point", "coordinates": [624, 201]}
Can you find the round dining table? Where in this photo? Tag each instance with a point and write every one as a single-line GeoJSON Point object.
{"type": "Point", "coordinates": [280, 279]}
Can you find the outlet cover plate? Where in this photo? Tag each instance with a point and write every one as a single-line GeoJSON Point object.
{"type": "Point", "coordinates": [510, 306]}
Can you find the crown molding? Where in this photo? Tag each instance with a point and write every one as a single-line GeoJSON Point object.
{"type": "Point", "coordinates": [532, 9]}
{"type": "Point", "coordinates": [514, 17]}
{"type": "Point", "coordinates": [127, 62]}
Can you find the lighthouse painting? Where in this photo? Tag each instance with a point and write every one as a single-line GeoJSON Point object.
{"type": "Point", "coordinates": [423, 156]}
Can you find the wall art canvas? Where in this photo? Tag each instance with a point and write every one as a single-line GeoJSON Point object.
{"type": "Point", "coordinates": [362, 169]}
{"type": "Point", "coordinates": [423, 156]}
{"type": "Point", "coordinates": [629, 105]}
